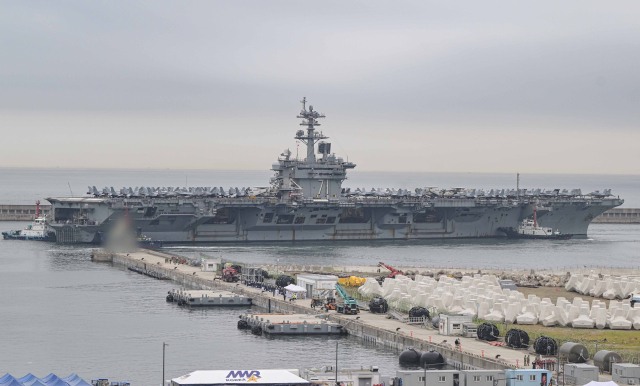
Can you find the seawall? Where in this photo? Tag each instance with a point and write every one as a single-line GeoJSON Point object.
{"type": "Point", "coordinates": [372, 330]}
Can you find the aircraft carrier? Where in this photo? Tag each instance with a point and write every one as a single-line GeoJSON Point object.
{"type": "Point", "coordinates": [305, 200]}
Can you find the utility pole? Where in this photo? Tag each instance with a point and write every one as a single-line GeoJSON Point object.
{"type": "Point", "coordinates": [163, 350]}
{"type": "Point", "coordinates": [337, 384]}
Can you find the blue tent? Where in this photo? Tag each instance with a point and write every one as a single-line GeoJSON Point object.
{"type": "Point", "coordinates": [70, 378]}
{"type": "Point", "coordinates": [57, 382]}
{"type": "Point", "coordinates": [49, 378]}
{"type": "Point", "coordinates": [79, 382]}
{"type": "Point", "coordinates": [26, 378]}
{"type": "Point", "coordinates": [6, 378]}
{"type": "Point", "coordinates": [12, 382]}
{"type": "Point", "coordinates": [34, 382]}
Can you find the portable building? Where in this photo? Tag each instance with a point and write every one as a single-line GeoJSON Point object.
{"type": "Point", "coordinates": [316, 284]}
{"type": "Point", "coordinates": [527, 377]}
{"type": "Point", "coordinates": [625, 373]}
{"type": "Point", "coordinates": [482, 377]}
{"type": "Point", "coordinates": [430, 378]}
{"type": "Point", "coordinates": [452, 324]}
{"type": "Point", "coordinates": [580, 373]}
{"type": "Point", "coordinates": [211, 264]}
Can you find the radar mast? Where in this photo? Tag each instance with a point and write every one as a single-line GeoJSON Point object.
{"type": "Point", "coordinates": [309, 119]}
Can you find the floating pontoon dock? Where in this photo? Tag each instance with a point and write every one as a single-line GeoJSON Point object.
{"type": "Point", "coordinates": [293, 324]}
{"type": "Point", "coordinates": [207, 298]}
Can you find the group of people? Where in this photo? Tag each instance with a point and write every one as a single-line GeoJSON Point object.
{"type": "Point", "coordinates": [265, 287]}
{"type": "Point", "coordinates": [275, 290]}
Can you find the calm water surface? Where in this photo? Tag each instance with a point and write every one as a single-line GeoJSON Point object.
{"type": "Point", "coordinates": [61, 313]}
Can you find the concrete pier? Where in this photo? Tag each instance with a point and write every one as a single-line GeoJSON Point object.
{"type": "Point", "coordinates": [22, 212]}
{"type": "Point", "coordinates": [372, 328]}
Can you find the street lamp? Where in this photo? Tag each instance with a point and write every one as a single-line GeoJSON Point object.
{"type": "Point", "coordinates": [337, 383]}
{"type": "Point", "coordinates": [163, 349]}
{"type": "Point", "coordinates": [426, 367]}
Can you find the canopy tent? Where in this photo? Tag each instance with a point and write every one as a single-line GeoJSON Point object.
{"type": "Point", "coordinates": [56, 382]}
{"type": "Point", "coordinates": [608, 383]}
{"type": "Point", "coordinates": [26, 378]}
{"type": "Point", "coordinates": [6, 378]}
{"type": "Point", "coordinates": [71, 376]}
{"type": "Point", "coordinates": [78, 382]}
{"type": "Point", "coordinates": [294, 288]}
{"type": "Point", "coordinates": [240, 377]}
{"type": "Point", "coordinates": [11, 382]}
{"type": "Point", "coordinates": [49, 380]}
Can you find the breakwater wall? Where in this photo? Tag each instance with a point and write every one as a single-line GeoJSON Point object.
{"type": "Point", "coordinates": [619, 216]}
{"type": "Point", "coordinates": [448, 270]}
{"type": "Point", "coordinates": [22, 212]}
{"type": "Point", "coordinates": [370, 333]}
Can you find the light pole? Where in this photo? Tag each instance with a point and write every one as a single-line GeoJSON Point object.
{"type": "Point", "coordinates": [163, 349]}
{"type": "Point", "coordinates": [337, 384]}
{"type": "Point", "coordinates": [426, 367]}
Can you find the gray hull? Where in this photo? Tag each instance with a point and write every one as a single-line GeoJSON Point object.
{"type": "Point", "coordinates": [242, 221]}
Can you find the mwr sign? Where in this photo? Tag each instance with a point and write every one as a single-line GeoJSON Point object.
{"type": "Point", "coordinates": [243, 376]}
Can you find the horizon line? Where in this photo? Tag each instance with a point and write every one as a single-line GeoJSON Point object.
{"type": "Point", "coordinates": [263, 170]}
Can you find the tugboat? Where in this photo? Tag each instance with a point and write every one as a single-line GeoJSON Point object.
{"type": "Point", "coordinates": [529, 229]}
{"type": "Point", "coordinates": [38, 230]}
{"type": "Point", "coordinates": [149, 243]}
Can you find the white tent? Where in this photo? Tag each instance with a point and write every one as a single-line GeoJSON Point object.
{"type": "Point", "coordinates": [295, 288]}
{"type": "Point", "coordinates": [240, 377]}
{"type": "Point", "coordinates": [594, 383]}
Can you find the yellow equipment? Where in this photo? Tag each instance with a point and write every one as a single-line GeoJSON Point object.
{"type": "Point", "coordinates": [352, 281]}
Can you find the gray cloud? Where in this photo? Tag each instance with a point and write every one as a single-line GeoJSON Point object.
{"type": "Point", "coordinates": [471, 79]}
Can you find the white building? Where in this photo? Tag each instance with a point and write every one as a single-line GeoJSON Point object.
{"type": "Point", "coordinates": [317, 284]}
{"type": "Point", "coordinates": [211, 264]}
{"type": "Point", "coordinates": [452, 324]}
{"type": "Point", "coordinates": [240, 377]}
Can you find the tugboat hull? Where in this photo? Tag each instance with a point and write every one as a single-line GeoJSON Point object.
{"type": "Point", "coordinates": [512, 233]}
{"type": "Point", "coordinates": [51, 236]}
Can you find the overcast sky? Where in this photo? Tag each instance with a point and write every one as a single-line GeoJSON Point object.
{"type": "Point", "coordinates": [478, 86]}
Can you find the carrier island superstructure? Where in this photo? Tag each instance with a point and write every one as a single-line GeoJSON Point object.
{"type": "Point", "coordinates": [306, 201]}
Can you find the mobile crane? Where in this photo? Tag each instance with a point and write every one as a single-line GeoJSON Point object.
{"type": "Point", "coordinates": [350, 305]}
{"type": "Point", "coordinates": [393, 274]}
